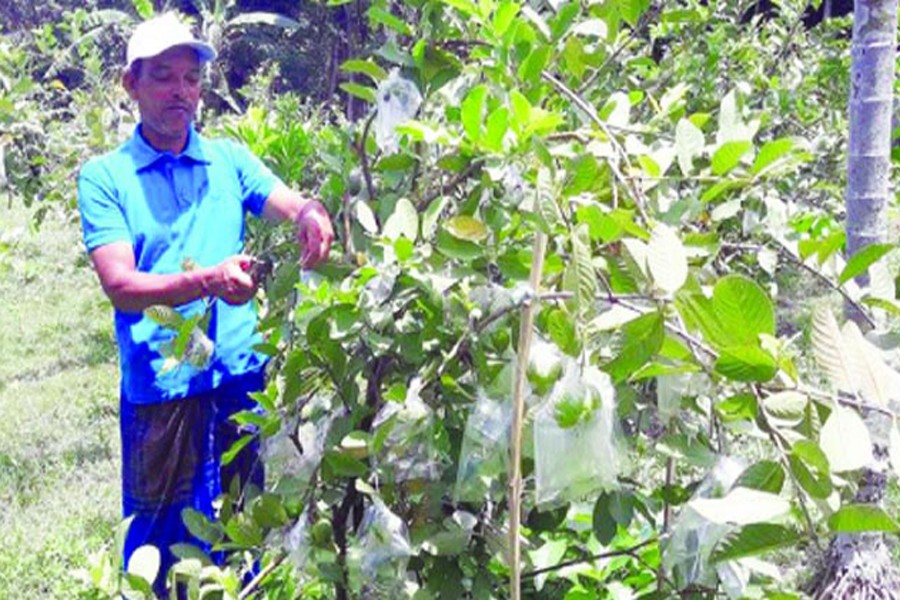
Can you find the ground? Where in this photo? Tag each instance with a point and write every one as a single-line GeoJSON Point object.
{"type": "Point", "coordinates": [59, 445]}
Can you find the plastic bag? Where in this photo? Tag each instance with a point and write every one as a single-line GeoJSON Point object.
{"type": "Point", "coordinates": [578, 447]}
{"type": "Point", "coordinates": [408, 451]}
{"type": "Point", "coordinates": [296, 542]}
{"type": "Point", "coordinates": [397, 100]}
{"type": "Point", "coordinates": [484, 457]}
{"type": "Point", "coordinates": [380, 556]}
{"type": "Point", "coordinates": [687, 551]}
{"type": "Point", "coordinates": [292, 455]}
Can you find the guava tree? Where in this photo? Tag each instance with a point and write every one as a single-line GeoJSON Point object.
{"type": "Point", "coordinates": [592, 209]}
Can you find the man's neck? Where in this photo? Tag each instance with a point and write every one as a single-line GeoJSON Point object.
{"type": "Point", "coordinates": [165, 143]}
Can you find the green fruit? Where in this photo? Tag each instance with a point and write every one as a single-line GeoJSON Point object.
{"type": "Point", "coordinates": [321, 533]}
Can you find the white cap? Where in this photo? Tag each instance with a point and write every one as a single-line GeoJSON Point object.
{"type": "Point", "coordinates": [155, 36]}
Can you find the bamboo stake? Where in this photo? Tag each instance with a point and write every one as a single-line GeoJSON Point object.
{"type": "Point", "coordinates": [515, 477]}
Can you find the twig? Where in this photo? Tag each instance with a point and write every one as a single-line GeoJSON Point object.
{"type": "Point", "coordinates": [443, 188]}
{"type": "Point", "coordinates": [526, 330]}
{"type": "Point", "coordinates": [595, 118]}
{"type": "Point", "coordinates": [363, 158]}
{"type": "Point", "coordinates": [575, 561]}
{"type": "Point", "coordinates": [599, 70]}
{"type": "Point", "coordinates": [261, 576]}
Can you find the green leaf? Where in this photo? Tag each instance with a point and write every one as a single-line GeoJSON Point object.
{"type": "Point", "coordinates": [830, 352]}
{"type": "Point", "coordinates": [467, 228]}
{"type": "Point", "coordinates": [166, 316]}
{"type": "Point", "coordinates": [666, 259]}
{"type": "Point", "coordinates": [497, 125]}
{"type": "Point", "coordinates": [689, 143]}
{"type": "Point", "coordinates": [265, 18]}
{"type": "Point", "coordinates": [200, 526]}
{"type": "Point", "coordinates": [810, 468]}
{"type": "Point", "coordinates": [604, 525]}
{"type": "Point", "coordinates": [503, 17]}
{"type": "Point", "coordinates": [404, 221]}
{"type": "Point", "coordinates": [771, 152]}
{"type": "Point", "coordinates": [229, 455]}
{"type": "Point", "coordinates": [144, 562]}
{"type": "Point", "coordinates": [359, 91]}
{"type": "Point", "coordinates": [729, 155]}
{"type": "Point", "coordinates": [338, 464]}
{"type": "Point", "coordinates": [746, 363]}
{"type": "Point", "coordinates": [640, 339]}
{"type": "Point", "coordinates": [766, 476]}
{"type": "Point", "coordinates": [845, 440]}
{"type": "Point", "coordinates": [631, 10]}
{"type": "Point", "coordinates": [466, 7]}
{"type": "Point", "coordinates": [269, 511]}
{"type": "Point", "coordinates": [744, 309]}
{"type": "Point", "coordinates": [366, 217]}
{"type": "Point", "coordinates": [471, 111]}
{"type": "Point", "coordinates": [755, 539]}
{"type": "Point", "coordinates": [863, 259]}
{"type": "Point", "coordinates": [561, 327]}
{"type": "Point", "coordinates": [569, 411]}
{"type": "Point", "coordinates": [742, 506]}
{"type": "Point", "coordinates": [453, 247]}
{"type": "Point", "coordinates": [521, 110]}
{"type": "Point", "coordinates": [366, 67]}
{"type": "Point", "coordinates": [855, 518]}
{"type": "Point", "coordinates": [379, 16]}
{"type": "Point", "coordinates": [580, 277]}
{"type": "Point", "coordinates": [531, 68]}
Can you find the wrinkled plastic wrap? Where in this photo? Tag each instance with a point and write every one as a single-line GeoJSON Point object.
{"type": "Point", "coordinates": [397, 100]}
{"type": "Point", "coordinates": [296, 542]}
{"type": "Point", "coordinates": [408, 452]}
{"type": "Point", "coordinates": [686, 553]}
{"type": "Point", "coordinates": [484, 457]}
{"type": "Point", "coordinates": [282, 456]}
{"type": "Point", "coordinates": [381, 554]}
{"type": "Point", "coordinates": [575, 458]}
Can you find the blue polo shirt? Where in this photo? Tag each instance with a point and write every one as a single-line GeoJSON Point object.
{"type": "Point", "coordinates": [172, 208]}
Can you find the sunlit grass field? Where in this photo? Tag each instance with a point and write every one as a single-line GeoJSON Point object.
{"type": "Point", "coordinates": [59, 445]}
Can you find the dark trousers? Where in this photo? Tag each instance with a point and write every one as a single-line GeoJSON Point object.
{"type": "Point", "coordinates": [171, 461]}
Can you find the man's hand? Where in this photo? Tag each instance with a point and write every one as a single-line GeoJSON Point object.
{"type": "Point", "coordinates": [230, 280]}
{"type": "Point", "coordinates": [314, 233]}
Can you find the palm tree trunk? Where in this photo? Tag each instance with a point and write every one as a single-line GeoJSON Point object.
{"type": "Point", "coordinates": [859, 566]}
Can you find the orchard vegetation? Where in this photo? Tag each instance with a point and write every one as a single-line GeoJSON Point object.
{"type": "Point", "coordinates": [582, 334]}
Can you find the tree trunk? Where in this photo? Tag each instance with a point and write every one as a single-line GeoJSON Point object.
{"type": "Point", "coordinates": [859, 566]}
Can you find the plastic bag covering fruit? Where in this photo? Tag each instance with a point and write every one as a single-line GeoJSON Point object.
{"type": "Point", "coordinates": [397, 100]}
{"type": "Point", "coordinates": [578, 447]}
{"type": "Point", "coordinates": [484, 457]}
{"type": "Point", "coordinates": [283, 458]}
{"type": "Point", "coordinates": [379, 558]}
{"type": "Point", "coordinates": [687, 551]}
{"type": "Point", "coordinates": [296, 542]}
{"type": "Point", "coordinates": [408, 452]}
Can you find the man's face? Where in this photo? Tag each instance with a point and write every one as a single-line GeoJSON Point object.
{"type": "Point", "coordinates": [167, 91]}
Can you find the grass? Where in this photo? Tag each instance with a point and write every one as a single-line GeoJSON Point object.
{"type": "Point", "coordinates": [59, 444]}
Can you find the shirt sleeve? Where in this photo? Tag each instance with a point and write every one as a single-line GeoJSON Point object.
{"type": "Point", "coordinates": [257, 180]}
{"type": "Point", "coordinates": [102, 219]}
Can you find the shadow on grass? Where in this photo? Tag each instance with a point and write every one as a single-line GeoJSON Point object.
{"type": "Point", "coordinates": [97, 347]}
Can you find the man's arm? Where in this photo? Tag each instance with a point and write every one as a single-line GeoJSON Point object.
{"type": "Point", "coordinates": [313, 225]}
{"type": "Point", "coordinates": [131, 290]}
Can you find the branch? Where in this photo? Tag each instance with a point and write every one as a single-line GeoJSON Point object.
{"type": "Point", "coordinates": [632, 551]}
{"type": "Point", "coordinates": [443, 188]}
{"type": "Point", "coordinates": [589, 110]}
{"type": "Point", "coordinates": [363, 158]}
{"type": "Point", "coordinates": [261, 576]}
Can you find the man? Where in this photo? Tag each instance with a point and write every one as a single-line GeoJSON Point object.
{"type": "Point", "coordinates": [165, 198]}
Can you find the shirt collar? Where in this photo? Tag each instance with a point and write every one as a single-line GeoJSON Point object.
{"type": "Point", "coordinates": [145, 155]}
